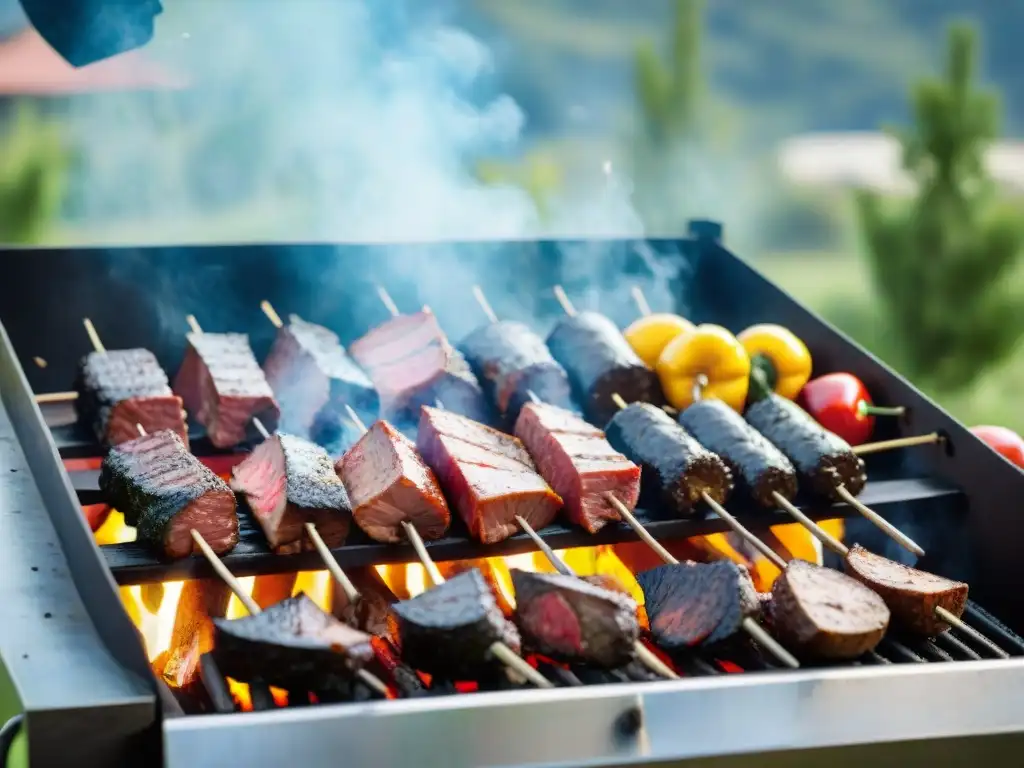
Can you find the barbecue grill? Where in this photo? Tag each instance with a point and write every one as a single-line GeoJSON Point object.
{"type": "Point", "coordinates": [80, 667]}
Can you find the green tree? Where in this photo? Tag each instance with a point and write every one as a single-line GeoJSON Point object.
{"type": "Point", "coordinates": [939, 262]}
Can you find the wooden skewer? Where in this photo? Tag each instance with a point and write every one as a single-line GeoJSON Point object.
{"type": "Point", "coordinates": [932, 438]}
{"type": "Point", "coordinates": [193, 324]}
{"type": "Point", "coordinates": [563, 299]}
{"type": "Point", "coordinates": [264, 432]}
{"type": "Point", "coordinates": [641, 301]}
{"type": "Point", "coordinates": [332, 565]}
{"type": "Point", "coordinates": [56, 397]}
{"type": "Point", "coordinates": [93, 336]}
{"type": "Point", "coordinates": [485, 305]}
{"type": "Point", "coordinates": [355, 418]}
{"type": "Point", "coordinates": [271, 314]}
{"type": "Point", "coordinates": [643, 653]}
{"type": "Point", "coordinates": [744, 533]}
{"type": "Point", "coordinates": [41, 362]}
{"type": "Point", "coordinates": [880, 522]}
{"type": "Point", "coordinates": [387, 301]}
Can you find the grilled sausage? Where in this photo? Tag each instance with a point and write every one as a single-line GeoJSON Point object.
{"type": "Point", "coordinates": [600, 363]}
{"type": "Point", "coordinates": [823, 460]}
{"type": "Point", "coordinates": [675, 470]}
{"type": "Point", "coordinates": [757, 466]}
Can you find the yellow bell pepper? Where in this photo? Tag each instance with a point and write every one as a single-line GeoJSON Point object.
{"type": "Point", "coordinates": [779, 359]}
{"type": "Point", "coordinates": [650, 334]}
{"type": "Point", "coordinates": [711, 351]}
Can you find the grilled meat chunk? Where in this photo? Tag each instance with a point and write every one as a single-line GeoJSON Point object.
{"type": "Point", "coordinates": [390, 484]}
{"type": "Point", "coordinates": [372, 611]}
{"type": "Point", "coordinates": [224, 387]}
{"type": "Point", "coordinates": [488, 475]}
{"type": "Point", "coordinates": [579, 464]}
{"type": "Point", "coordinates": [675, 469]}
{"type": "Point", "coordinates": [122, 388]}
{"type": "Point", "coordinates": [165, 492]}
{"type": "Point", "coordinates": [289, 482]}
{"type": "Point", "coordinates": [822, 613]}
{"type": "Point", "coordinates": [575, 620]}
{"type": "Point", "coordinates": [823, 460]}
{"type": "Point", "coordinates": [911, 595]}
{"type": "Point", "coordinates": [411, 363]}
{"type": "Point", "coordinates": [510, 361]}
{"type": "Point", "coordinates": [309, 372]}
{"type": "Point", "coordinates": [757, 466]}
{"type": "Point", "coordinates": [448, 630]}
{"type": "Point", "coordinates": [694, 604]}
{"type": "Point", "coordinates": [600, 363]}
{"type": "Point", "coordinates": [292, 645]}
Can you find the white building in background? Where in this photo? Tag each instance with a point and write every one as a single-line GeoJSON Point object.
{"type": "Point", "coordinates": [872, 161]}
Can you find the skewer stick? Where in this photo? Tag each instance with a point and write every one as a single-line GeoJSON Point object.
{"type": "Point", "coordinates": [332, 565]}
{"type": "Point", "coordinates": [355, 418]}
{"type": "Point", "coordinates": [533, 397]}
{"type": "Point", "coordinates": [56, 397]}
{"type": "Point", "coordinates": [639, 529]}
{"type": "Point", "coordinates": [387, 301]}
{"type": "Point", "coordinates": [744, 533]}
{"type": "Point", "coordinates": [932, 438]}
{"type": "Point", "coordinates": [193, 324]}
{"type": "Point", "coordinates": [271, 314]}
{"type": "Point", "coordinates": [502, 652]}
{"type": "Point", "coordinates": [641, 301]}
{"type": "Point", "coordinates": [955, 621]}
{"type": "Point", "coordinates": [556, 562]}
{"type": "Point", "coordinates": [93, 336]}
{"type": "Point", "coordinates": [884, 525]}
{"type": "Point", "coordinates": [485, 305]}
{"type": "Point", "coordinates": [563, 299]}
{"type": "Point", "coordinates": [264, 432]}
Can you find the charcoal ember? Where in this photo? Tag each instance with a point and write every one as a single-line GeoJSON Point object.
{"type": "Point", "coordinates": [411, 363]}
{"type": "Point", "coordinates": [697, 604]}
{"type": "Point", "coordinates": [310, 373]}
{"type": "Point", "coordinates": [568, 618]}
{"type": "Point", "coordinates": [675, 470]}
{"type": "Point", "coordinates": [123, 388]}
{"type": "Point", "coordinates": [291, 645]}
{"type": "Point", "coordinates": [448, 630]}
{"type": "Point", "coordinates": [822, 613]}
{"type": "Point", "coordinates": [823, 460]}
{"type": "Point", "coordinates": [510, 361]}
{"type": "Point", "coordinates": [488, 476]}
{"type": "Point", "coordinates": [579, 464]}
{"type": "Point", "coordinates": [600, 363]}
{"type": "Point", "coordinates": [758, 467]}
{"type": "Point", "coordinates": [288, 482]}
{"type": "Point", "coordinates": [224, 388]}
{"type": "Point", "coordinates": [166, 492]}
{"type": "Point", "coordinates": [390, 484]}
{"type": "Point", "coordinates": [911, 595]}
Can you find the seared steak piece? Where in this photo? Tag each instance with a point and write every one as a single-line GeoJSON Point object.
{"type": "Point", "coordinates": [390, 484]}
{"type": "Point", "coordinates": [572, 619]}
{"type": "Point", "coordinates": [600, 363]}
{"type": "Point", "coordinates": [292, 645]}
{"type": "Point", "coordinates": [448, 630]}
{"type": "Point", "coordinates": [224, 387]}
{"type": "Point", "coordinates": [308, 370]}
{"type": "Point", "coordinates": [676, 470]}
{"type": "Point", "coordinates": [823, 460]}
{"type": "Point", "coordinates": [694, 604]}
{"type": "Point", "coordinates": [372, 612]}
{"type": "Point", "coordinates": [578, 462]}
{"type": "Point", "coordinates": [289, 482]}
{"type": "Point", "coordinates": [411, 363]}
{"type": "Point", "coordinates": [510, 361]}
{"type": "Point", "coordinates": [165, 492]}
{"type": "Point", "coordinates": [822, 613]}
{"type": "Point", "coordinates": [759, 468]}
{"type": "Point", "coordinates": [487, 475]}
{"type": "Point", "coordinates": [911, 595]}
{"type": "Point", "coordinates": [122, 388]}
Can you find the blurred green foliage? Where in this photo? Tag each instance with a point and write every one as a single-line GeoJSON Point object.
{"type": "Point", "coordinates": [539, 174]}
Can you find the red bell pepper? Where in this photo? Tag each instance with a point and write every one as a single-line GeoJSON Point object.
{"type": "Point", "coordinates": [840, 402]}
{"type": "Point", "coordinates": [1003, 441]}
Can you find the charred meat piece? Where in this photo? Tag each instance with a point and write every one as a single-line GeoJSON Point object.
{"type": "Point", "coordinates": [911, 595]}
{"type": "Point", "coordinates": [411, 363]}
{"type": "Point", "coordinates": [165, 492]}
{"type": "Point", "coordinates": [574, 620]}
{"type": "Point", "coordinates": [487, 475]}
{"type": "Point", "coordinates": [390, 484]}
{"type": "Point", "coordinates": [600, 363]}
{"type": "Point", "coordinates": [122, 388]}
{"type": "Point", "coordinates": [510, 361]}
{"type": "Point", "coordinates": [579, 464]}
{"type": "Point", "coordinates": [289, 482]}
{"type": "Point", "coordinates": [823, 460]}
{"type": "Point", "coordinates": [372, 611]}
{"type": "Point", "coordinates": [309, 371]}
{"type": "Point", "coordinates": [757, 466]}
{"type": "Point", "coordinates": [694, 604]}
{"type": "Point", "coordinates": [292, 645]}
{"type": "Point", "coordinates": [224, 387]}
{"type": "Point", "coordinates": [675, 469]}
{"type": "Point", "coordinates": [822, 613]}
{"type": "Point", "coordinates": [448, 630]}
